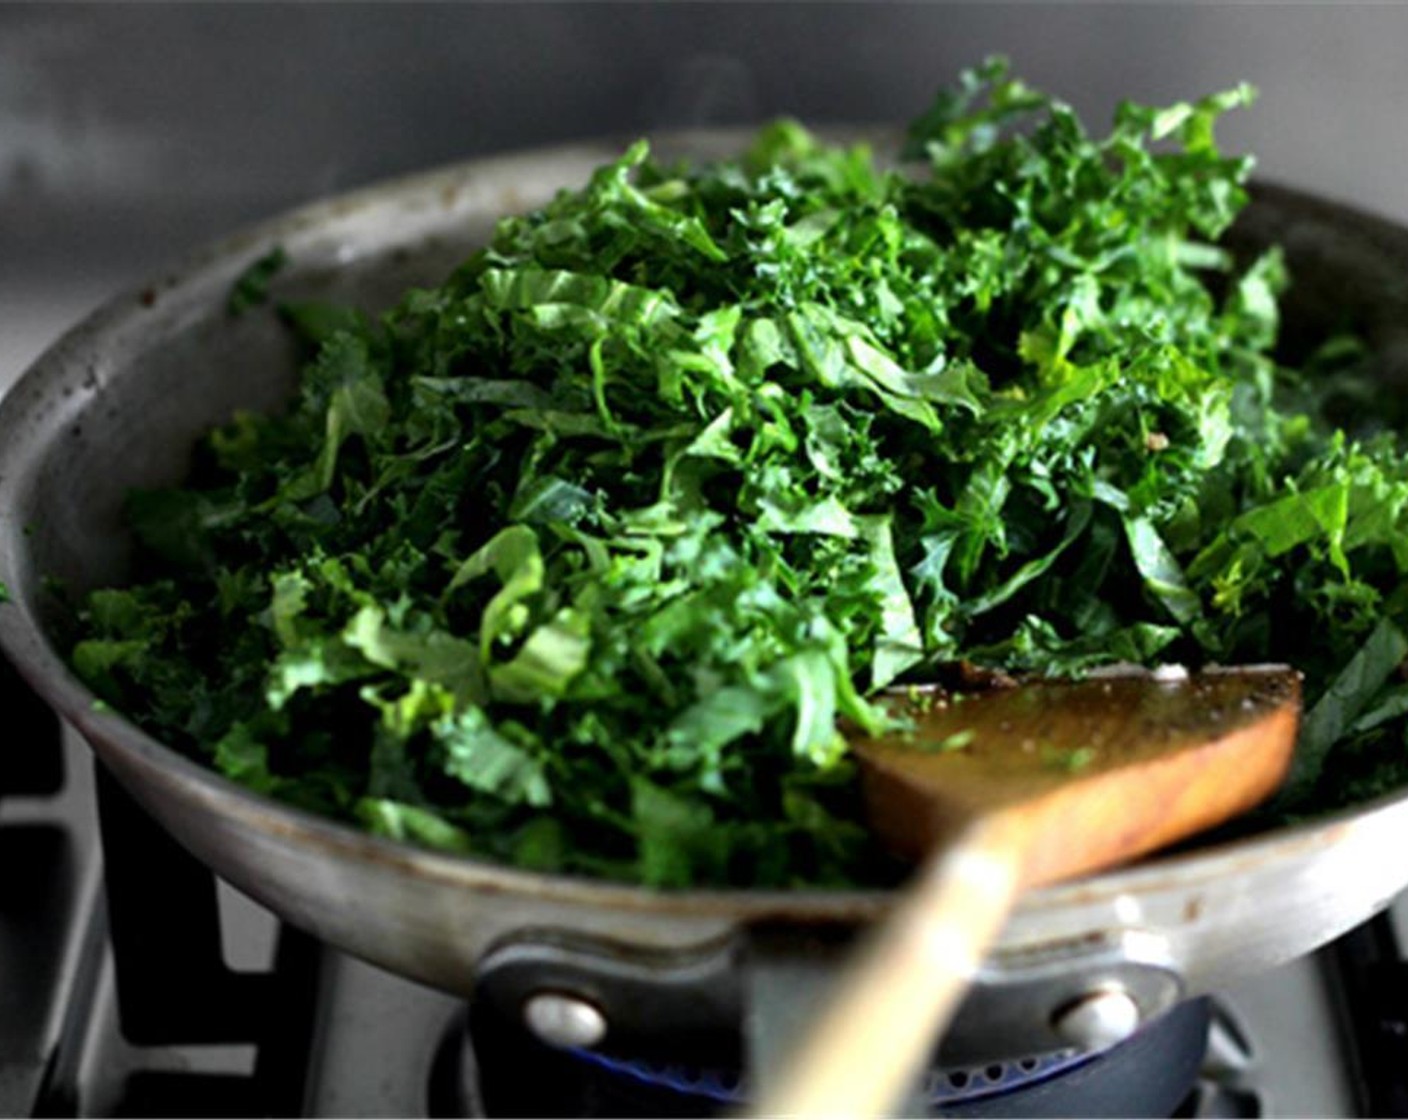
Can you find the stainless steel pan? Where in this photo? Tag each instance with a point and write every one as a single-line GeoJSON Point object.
{"type": "Point", "coordinates": [119, 401]}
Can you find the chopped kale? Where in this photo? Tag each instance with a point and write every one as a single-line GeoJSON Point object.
{"type": "Point", "coordinates": [252, 287]}
{"type": "Point", "coordinates": [579, 560]}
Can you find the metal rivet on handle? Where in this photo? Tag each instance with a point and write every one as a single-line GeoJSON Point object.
{"type": "Point", "coordinates": [1098, 1019]}
{"type": "Point", "coordinates": [565, 1021]}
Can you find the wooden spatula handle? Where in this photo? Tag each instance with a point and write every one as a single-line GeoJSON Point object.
{"type": "Point", "coordinates": [907, 981]}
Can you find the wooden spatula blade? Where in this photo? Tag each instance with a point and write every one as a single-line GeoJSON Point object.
{"type": "Point", "coordinates": [1099, 771]}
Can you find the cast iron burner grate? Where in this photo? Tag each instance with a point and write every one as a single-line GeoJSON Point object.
{"type": "Point", "coordinates": [488, 1066]}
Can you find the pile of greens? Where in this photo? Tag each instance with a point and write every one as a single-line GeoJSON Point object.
{"type": "Point", "coordinates": [577, 561]}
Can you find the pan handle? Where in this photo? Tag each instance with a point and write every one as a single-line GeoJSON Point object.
{"type": "Point", "coordinates": [583, 992]}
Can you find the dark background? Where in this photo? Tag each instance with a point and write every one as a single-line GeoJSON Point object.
{"type": "Point", "coordinates": [131, 133]}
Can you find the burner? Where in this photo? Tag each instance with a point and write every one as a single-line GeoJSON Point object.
{"type": "Point", "coordinates": [489, 1066]}
{"type": "Point", "coordinates": [943, 1089]}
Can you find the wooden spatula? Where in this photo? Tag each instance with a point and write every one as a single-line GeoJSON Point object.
{"type": "Point", "coordinates": [1009, 789]}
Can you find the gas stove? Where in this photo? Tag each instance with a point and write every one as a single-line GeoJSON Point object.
{"type": "Point", "coordinates": [135, 983]}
